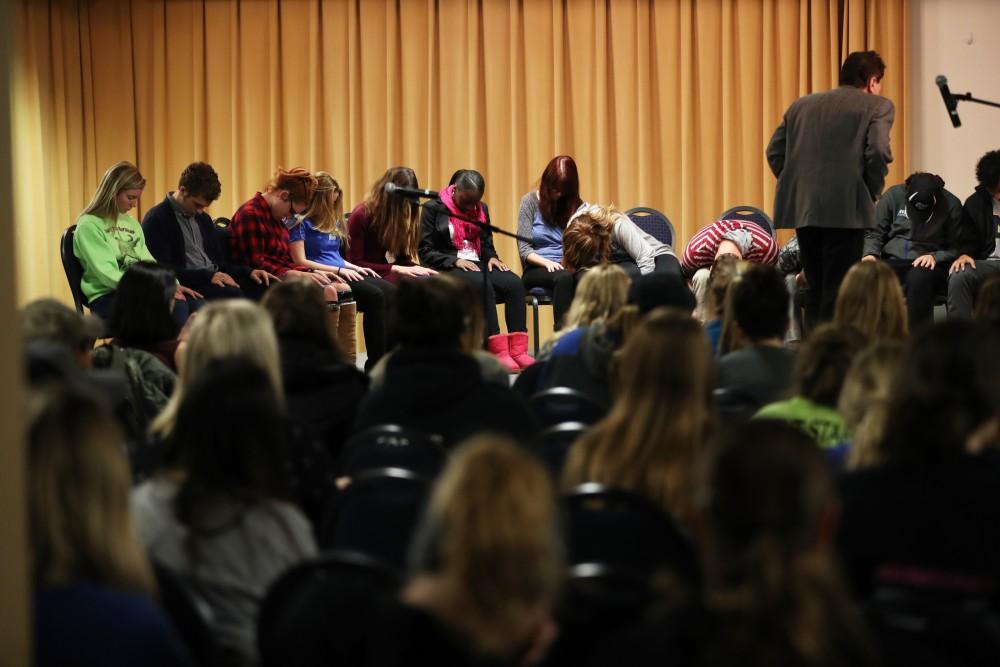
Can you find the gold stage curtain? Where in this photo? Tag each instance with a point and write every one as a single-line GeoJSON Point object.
{"type": "Point", "coordinates": [663, 103]}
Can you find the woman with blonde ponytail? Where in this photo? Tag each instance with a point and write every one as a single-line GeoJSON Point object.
{"type": "Point", "coordinates": [486, 563]}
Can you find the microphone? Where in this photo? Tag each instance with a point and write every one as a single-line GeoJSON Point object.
{"type": "Point", "coordinates": [950, 102]}
{"type": "Point", "coordinates": [412, 193]}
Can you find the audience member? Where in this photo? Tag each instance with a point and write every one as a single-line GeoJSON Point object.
{"type": "Point", "coordinates": [871, 300]}
{"type": "Point", "coordinates": [817, 378]}
{"type": "Point", "coordinates": [94, 591]}
{"type": "Point", "coordinates": [107, 240]}
{"type": "Point", "coordinates": [745, 239]}
{"type": "Point", "coordinates": [980, 256]}
{"type": "Point", "coordinates": [916, 233]}
{"type": "Point", "coordinates": [864, 403]}
{"type": "Point", "coordinates": [725, 271]}
{"type": "Point", "coordinates": [454, 245]}
{"type": "Point", "coordinates": [383, 230]}
{"type": "Point", "coordinates": [597, 235]}
{"type": "Point", "coordinates": [760, 371]}
{"type": "Point", "coordinates": [602, 292]}
{"type": "Point", "coordinates": [141, 314]}
{"type": "Point", "coordinates": [181, 236]}
{"type": "Point", "coordinates": [795, 279]}
{"type": "Point", "coordinates": [322, 391]}
{"type": "Point", "coordinates": [432, 385]}
{"type": "Point", "coordinates": [924, 522]}
{"type": "Point", "coordinates": [51, 321]}
{"type": "Point", "coordinates": [487, 565]}
{"type": "Point", "coordinates": [317, 241]}
{"type": "Point", "coordinates": [660, 420]}
{"type": "Point", "coordinates": [542, 217]}
{"type": "Point", "coordinates": [258, 231]}
{"type": "Point", "coordinates": [217, 517]}
{"type": "Point", "coordinates": [988, 301]}
{"type": "Point", "coordinates": [241, 330]}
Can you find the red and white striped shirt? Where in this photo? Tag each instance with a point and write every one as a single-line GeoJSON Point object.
{"type": "Point", "coordinates": [701, 249]}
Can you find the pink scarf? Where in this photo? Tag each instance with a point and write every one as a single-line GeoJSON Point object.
{"type": "Point", "coordinates": [463, 230]}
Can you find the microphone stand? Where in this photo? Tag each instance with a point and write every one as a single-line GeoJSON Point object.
{"type": "Point", "coordinates": [967, 97]}
{"type": "Point", "coordinates": [483, 261]}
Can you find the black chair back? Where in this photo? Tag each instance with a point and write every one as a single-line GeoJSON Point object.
{"type": "Point", "coordinates": [563, 404]}
{"type": "Point", "coordinates": [377, 514]}
{"type": "Point", "coordinates": [653, 222]}
{"type": "Point", "coordinates": [627, 532]}
{"type": "Point", "coordinates": [392, 446]}
{"type": "Point", "coordinates": [72, 268]}
{"type": "Point", "coordinates": [750, 214]}
{"type": "Point", "coordinates": [553, 444]}
{"type": "Point", "coordinates": [324, 611]}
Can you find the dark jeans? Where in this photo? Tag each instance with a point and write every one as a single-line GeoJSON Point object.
{"type": "Point", "coordinates": [964, 285]}
{"type": "Point", "coordinates": [560, 283]}
{"type": "Point", "coordinates": [103, 305]}
{"type": "Point", "coordinates": [506, 286]}
{"type": "Point", "coordinates": [826, 255]}
{"type": "Point", "coordinates": [375, 298]}
{"type": "Point", "coordinates": [919, 287]}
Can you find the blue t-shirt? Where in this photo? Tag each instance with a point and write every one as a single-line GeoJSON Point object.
{"type": "Point", "coordinates": [319, 246]}
{"type": "Point", "coordinates": [548, 241]}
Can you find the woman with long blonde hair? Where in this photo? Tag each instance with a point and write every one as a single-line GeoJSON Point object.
{"type": "Point", "coordinates": [318, 240]}
{"type": "Point", "coordinates": [108, 240]}
{"type": "Point", "coordinates": [384, 229]}
{"type": "Point", "coordinates": [599, 234]}
{"type": "Point", "coordinates": [662, 416]}
{"type": "Point", "coordinates": [871, 300]}
{"type": "Point", "coordinates": [89, 568]}
{"type": "Point", "coordinates": [602, 292]}
{"type": "Point", "coordinates": [864, 400]}
{"type": "Point", "coordinates": [487, 562]}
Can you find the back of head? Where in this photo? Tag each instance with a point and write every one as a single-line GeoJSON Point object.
{"type": "Point", "coordinates": [587, 241]}
{"type": "Point", "coordinates": [661, 418]}
{"type": "Point", "coordinates": [759, 303]}
{"type": "Point", "coordinates": [988, 171]}
{"type": "Point", "coordinates": [54, 322]}
{"type": "Point", "coordinates": [988, 301]}
{"type": "Point", "coordinates": [200, 180]}
{"type": "Point", "coordinates": [660, 290]}
{"type": "Point", "coordinates": [430, 314]}
{"type": "Point", "coordinates": [864, 399]}
{"type": "Point", "coordinates": [946, 389]}
{"type": "Point", "coordinates": [859, 67]}
{"type": "Point", "coordinates": [298, 182]}
{"type": "Point", "coordinates": [725, 271]}
{"type": "Point", "coordinates": [228, 438]}
{"type": "Point", "coordinates": [559, 191]}
{"type": "Point", "coordinates": [489, 537]}
{"type": "Point", "coordinates": [141, 313]}
{"type": "Point", "coordinates": [118, 178]}
{"type": "Point", "coordinates": [601, 293]}
{"type": "Point", "coordinates": [78, 490]}
{"type": "Point", "coordinates": [822, 362]}
{"type": "Point", "coordinates": [299, 311]}
{"type": "Point", "coordinates": [226, 329]}
{"type": "Point", "coordinates": [871, 300]}
{"type": "Point", "coordinates": [766, 498]}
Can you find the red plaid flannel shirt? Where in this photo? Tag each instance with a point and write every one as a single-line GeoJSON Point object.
{"type": "Point", "coordinates": [259, 241]}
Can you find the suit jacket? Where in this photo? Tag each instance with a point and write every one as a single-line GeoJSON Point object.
{"type": "Point", "coordinates": [436, 249]}
{"type": "Point", "coordinates": [166, 244]}
{"type": "Point", "coordinates": [831, 154]}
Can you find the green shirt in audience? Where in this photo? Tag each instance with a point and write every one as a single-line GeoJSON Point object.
{"type": "Point", "coordinates": [824, 424]}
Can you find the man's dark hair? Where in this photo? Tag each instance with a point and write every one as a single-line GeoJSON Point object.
{"type": "Point", "coordinates": [861, 66]}
{"type": "Point", "coordinates": [200, 180]}
{"type": "Point", "coordinates": [988, 171]}
{"type": "Point", "coordinates": [760, 303]}
{"type": "Point", "coordinates": [822, 362]}
{"type": "Point", "coordinates": [429, 313]}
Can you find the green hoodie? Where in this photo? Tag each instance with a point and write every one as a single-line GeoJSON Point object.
{"type": "Point", "coordinates": [106, 253]}
{"type": "Point", "coordinates": [824, 424]}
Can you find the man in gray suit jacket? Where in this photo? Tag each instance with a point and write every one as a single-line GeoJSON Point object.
{"type": "Point", "coordinates": [831, 154]}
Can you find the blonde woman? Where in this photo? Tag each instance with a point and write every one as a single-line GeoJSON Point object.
{"type": "Point", "coordinates": [487, 563]}
{"type": "Point", "coordinates": [384, 229]}
{"type": "Point", "coordinates": [661, 419]}
{"type": "Point", "coordinates": [318, 240]}
{"type": "Point", "coordinates": [108, 240]}
{"type": "Point", "coordinates": [94, 588]}
{"type": "Point", "coordinates": [601, 293]}
{"type": "Point", "coordinates": [597, 234]}
{"type": "Point", "coordinates": [864, 401]}
{"type": "Point", "coordinates": [871, 300]}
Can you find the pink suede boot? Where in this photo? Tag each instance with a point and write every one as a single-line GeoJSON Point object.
{"type": "Point", "coordinates": [519, 349]}
{"type": "Point", "coordinates": [500, 348]}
